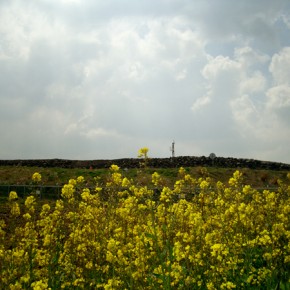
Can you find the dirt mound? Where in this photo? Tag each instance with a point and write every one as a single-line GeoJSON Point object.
{"type": "Point", "coordinates": [185, 161]}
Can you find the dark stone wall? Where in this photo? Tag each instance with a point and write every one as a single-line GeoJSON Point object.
{"type": "Point", "coordinates": [185, 161]}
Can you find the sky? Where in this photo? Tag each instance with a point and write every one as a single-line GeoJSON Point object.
{"type": "Point", "coordinates": [91, 79]}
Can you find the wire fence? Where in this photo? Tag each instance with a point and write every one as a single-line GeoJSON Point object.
{"type": "Point", "coordinates": [54, 191]}
{"type": "Point", "coordinates": [43, 191]}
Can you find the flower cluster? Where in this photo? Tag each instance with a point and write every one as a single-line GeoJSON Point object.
{"type": "Point", "coordinates": [143, 153]}
{"type": "Point", "coordinates": [36, 177]}
{"type": "Point", "coordinates": [196, 234]}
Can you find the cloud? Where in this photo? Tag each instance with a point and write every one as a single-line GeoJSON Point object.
{"type": "Point", "coordinates": [240, 105]}
{"type": "Point", "coordinates": [278, 103]}
{"type": "Point", "coordinates": [86, 79]}
{"type": "Point", "coordinates": [231, 21]}
{"type": "Point", "coordinates": [278, 96]}
{"type": "Point", "coordinates": [280, 61]}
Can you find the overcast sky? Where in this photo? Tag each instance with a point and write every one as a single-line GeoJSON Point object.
{"type": "Point", "coordinates": [92, 79]}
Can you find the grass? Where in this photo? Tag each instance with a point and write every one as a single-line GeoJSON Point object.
{"type": "Point", "coordinates": [59, 176]}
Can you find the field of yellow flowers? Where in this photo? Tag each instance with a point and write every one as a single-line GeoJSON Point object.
{"type": "Point", "coordinates": [198, 234]}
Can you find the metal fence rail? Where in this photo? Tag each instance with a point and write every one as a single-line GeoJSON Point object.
{"type": "Point", "coordinates": [43, 191]}
{"type": "Point", "coordinates": [54, 191]}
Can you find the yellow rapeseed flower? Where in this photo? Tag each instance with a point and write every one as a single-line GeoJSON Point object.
{"type": "Point", "coordinates": [72, 181]}
{"type": "Point", "coordinates": [143, 152]}
{"type": "Point", "coordinates": [181, 171]}
{"type": "Point", "coordinates": [126, 182]}
{"type": "Point", "coordinates": [40, 285]}
{"type": "Point", "coordinates": [98, 189]}
{"type": "Point", "coordinates": [228, 285]}
{"type": "Point", "coordinates": [204, 185]}
{"type": "Point", "coordinates": [27, 216]}
{"type": "Point", "coordinates": [155, 178]}
{"type": "Point", "coordinates": [15, 209]}
{"type": "Point", "coordinates": [30, 202]}
{"type": "Point", "coordinates": [68, 190]}
{"type": "Point", "coordinates": [114, 168]}
{"type": "Point", "coordinates": [126, 238]}
{"type": "Point", "coordinates": [86, 195]}
{"type": "Point", "coordinates": [80, 179]}
{"type": "Point", "coordinates": [36, 177]}
{"type": "Point", "coordinates": [12, 196]}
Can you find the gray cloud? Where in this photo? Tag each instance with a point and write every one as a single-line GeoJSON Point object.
{"type": "Point", "coordinates": [101, 79]}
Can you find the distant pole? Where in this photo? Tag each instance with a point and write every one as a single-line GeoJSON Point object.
{"type": "Point", "coordinates": [172, 149]}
